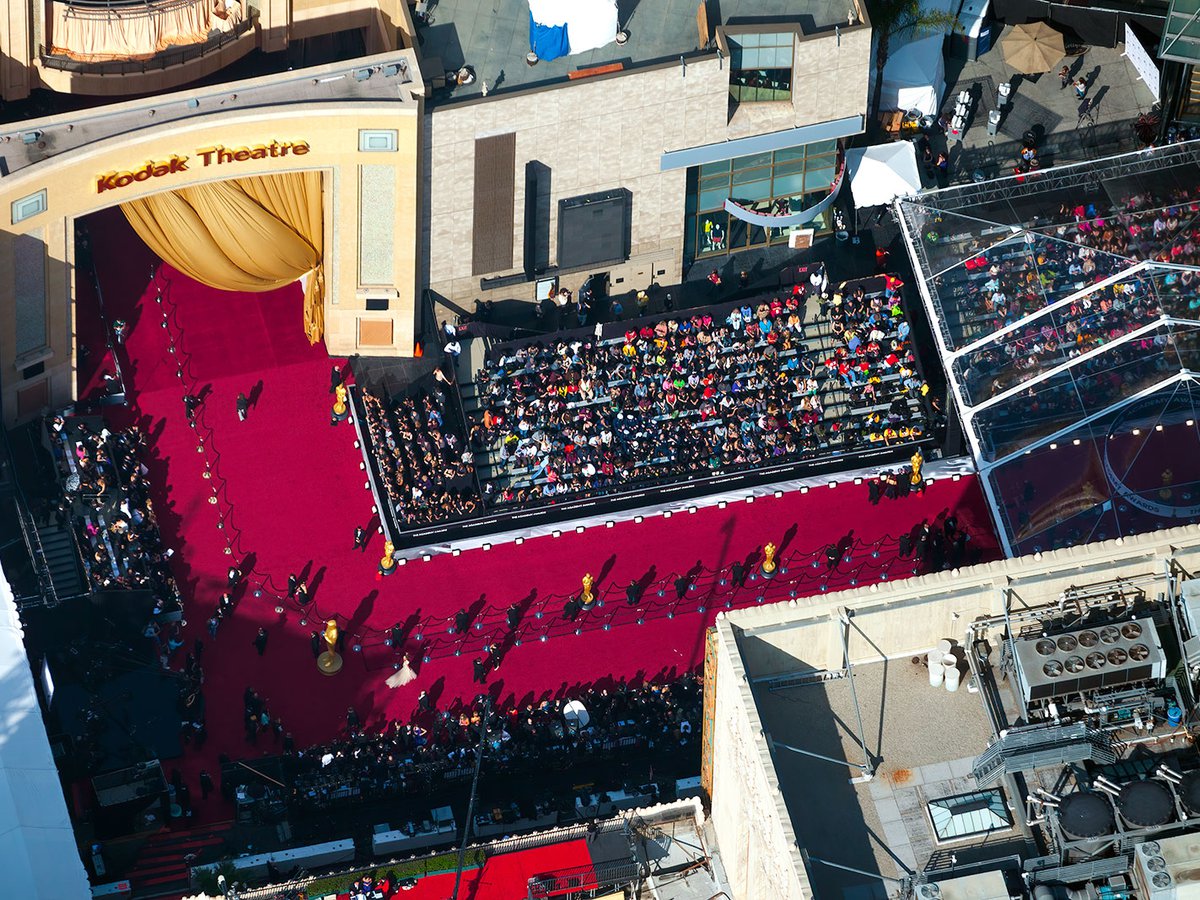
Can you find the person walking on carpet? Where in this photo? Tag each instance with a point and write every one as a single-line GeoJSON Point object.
{"type": "Point", "coordinates": [404, 675]}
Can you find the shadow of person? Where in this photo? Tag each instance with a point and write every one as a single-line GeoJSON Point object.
{"type": "Point", "coordinates": [363, 612]}
{"type": "Point", "coordinates": [606, 568]}
{"type": "Point", "coordinates": [255, 393]}
{"type": "Point", "coordinates": [788, 537]}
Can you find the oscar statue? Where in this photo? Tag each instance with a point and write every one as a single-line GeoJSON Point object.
{"type": "Point", "coordinates": [586, 598]}
{"type": "Point", "coordinates": [340, 410]}
{"type": "Point", "coordinates": [916, 462]}
{"type": "Point", "coordinates": [387, 565]}
{"type": "Point", "coordinates": [769, 566]}
{"type": "Point", "coordinates": [330, 661]}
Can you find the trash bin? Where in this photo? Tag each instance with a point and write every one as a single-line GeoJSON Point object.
{"type": "Point", "coordinates": [993, 121]}
{"type": "Point", "coordinates": [1003, 94]}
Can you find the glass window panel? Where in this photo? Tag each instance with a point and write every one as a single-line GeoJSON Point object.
{"type": "Point", "coordinates": [788, 185]}
{"type": "Point", "coordinates": [818, 178]}
{"type": "Point", "coordinates": [819, 147]}
{"type": "Point", "coordinates": [789, 168]}
{"type": "Point", "coordinates": [714, 198]}
{"type": "Point", "coordinates": [713, 233]}
{"type": "Point", "coordinates": [757, 235]}
{"type": "Point", "coordinates": [751, 162]}
{"type": "Point", "coordinates": [751, 191]}
{"type": "Point", "coordinates": [715, 168]}
{"type": "Point", "coordinates": [749, 175]}
{"type": "Point", "coordinates": [737, 233]}
{"type": "Point", "coordinates": [789, 153]}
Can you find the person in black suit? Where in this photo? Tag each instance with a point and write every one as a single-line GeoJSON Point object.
{"type": "Point", "coordinates": [335, 378]}
{"type": "Point", "coordinates": [633, 593]}
{"type": "Point", "coordinates": [461, 621]}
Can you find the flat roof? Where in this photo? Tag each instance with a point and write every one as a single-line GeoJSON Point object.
{"type": "Point", "coordinates": [492, 36]}
{"type": "Point", "coordinates": [389, 76]}
{"type": "Point", "coordinates": [924, 740]}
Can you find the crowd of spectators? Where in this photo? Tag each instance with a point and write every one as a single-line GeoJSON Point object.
{"type": "Point", "coordinates": [106, 501]}
{"type": "Point", "coordinates": [998, 287]}
{"type": "Point", "coordinates": [690, 395]}
{"type": "Point", "coordinates": [427, 472]}
{"type": "Point", "coordinates": [536, 737]}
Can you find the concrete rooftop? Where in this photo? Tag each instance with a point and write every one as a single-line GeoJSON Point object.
{"type": "Point", "coordinates": [493, 37]}
{"type": "Point", "coordinates": [924, 740]}
{"type": "Point", "coordinates": [338, 82]}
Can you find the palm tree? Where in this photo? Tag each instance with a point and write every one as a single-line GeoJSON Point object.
{"type": "Point", "coordinates": [895, 18]}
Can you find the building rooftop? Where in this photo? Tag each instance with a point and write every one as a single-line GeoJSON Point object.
{"type": "Point", "coordinates": [923, 740]}
{"type": "Point", "coordinates": [387, 77]}
{"type": "Point", "coordinates": [493, 37]}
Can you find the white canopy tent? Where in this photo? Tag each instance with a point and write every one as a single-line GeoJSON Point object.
{"type": "Point", "coordinates": [37, 844]}
{"type": "Point", "coordinates": [915, 76]}
{"type": "Point", "coordinates": [590, 24]}
{"type": "Point", "coordinates": [881, 173]}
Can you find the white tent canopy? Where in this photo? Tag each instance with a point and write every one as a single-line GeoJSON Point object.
{"type": "Point", "coordinates": [37, 844]}
{"type": "Point", "coordinates": [915, 76]}
{"type": "Point", "coordinates": [882, 173]}
{"type": "Point", "coordinates": [590, 23]}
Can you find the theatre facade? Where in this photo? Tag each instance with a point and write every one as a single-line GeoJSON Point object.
{"type": "Point", "coordinates": [630, 162]}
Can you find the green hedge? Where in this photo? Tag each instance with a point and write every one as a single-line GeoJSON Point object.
{"type": "Point", "coordinates": [430, 865]}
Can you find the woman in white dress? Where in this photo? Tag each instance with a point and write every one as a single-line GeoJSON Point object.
{"type": "Point", "coordinates": [404, 675]}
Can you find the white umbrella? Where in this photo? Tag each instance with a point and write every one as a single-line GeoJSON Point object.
{"type": "Point", "coordinates": [576, 713]}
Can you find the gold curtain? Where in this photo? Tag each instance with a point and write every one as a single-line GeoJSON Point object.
{"type": "Point", "coordinates": [97, 34]}
{"type": "Point", "coordinates": [245, 234]}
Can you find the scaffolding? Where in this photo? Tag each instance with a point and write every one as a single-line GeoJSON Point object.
{"type": "Point", "coordinates": [1068, 323]}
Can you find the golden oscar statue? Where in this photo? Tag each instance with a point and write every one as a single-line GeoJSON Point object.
{"type": "Point", "coordinates": [340, 411]}
{"type": "Point", "coordinates": [330, 662]}
{"type": "Point", "coordinates": [387, 565]}
{"type": "Point", "coordinates": [916, 462]}
{"type": "Point", "coordinates": [586, 597]}
{"type": "Point", "coordinates": [769, 566]}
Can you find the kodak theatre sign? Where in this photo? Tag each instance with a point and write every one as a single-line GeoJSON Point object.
{"type": "Point", "coordinates": [208, 156]}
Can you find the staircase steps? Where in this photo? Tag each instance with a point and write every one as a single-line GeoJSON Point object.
{"type": "Point", "coordinates": [62, 559]}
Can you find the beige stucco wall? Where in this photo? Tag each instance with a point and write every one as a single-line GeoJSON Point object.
{"type": "Point", "coordinates": [754, 832]}
{"type": "Point", "coordinates": [901, 619]}
{"type": "Point", "coordinates": [646, 113]}
{"type": "Point", "coordinates": [330, 130]}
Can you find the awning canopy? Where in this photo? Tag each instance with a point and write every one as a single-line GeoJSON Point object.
{"type": "Point", "coordinates": [915, 76]}
{"type": "Point", "coordinates": [881, 173]}
{"type": "Point", "coordinates": [37, 843]}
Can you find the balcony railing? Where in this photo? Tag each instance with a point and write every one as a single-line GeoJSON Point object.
{"type": "Point", "coordinates": [172, 56]}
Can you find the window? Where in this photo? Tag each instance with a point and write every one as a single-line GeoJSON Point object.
{"type": "Point", "coordinates": [28, 207]}
{"type": "Point", "coordinates": [377, 141]}
{"type": "Point", "coordinates": [780, 183]}
{"type": "Point", "coordinates": [760, 67]}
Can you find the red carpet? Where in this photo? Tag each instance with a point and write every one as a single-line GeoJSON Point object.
{"type": "Point", "coordinates": [502, 877]}
{"type": "Point", "coordinates": [289, 493]}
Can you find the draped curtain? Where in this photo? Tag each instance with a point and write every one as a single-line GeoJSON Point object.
{"type": "Point", "coordinates": [99, 34]}
{"type": "Point", "coordinates": [245, 234]}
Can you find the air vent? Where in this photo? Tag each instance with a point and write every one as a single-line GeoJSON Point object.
{"type": "Point", "coordinates": [1156, 864]}
{"type": "Point", "coordinates": [1161, 880]}
{"type": "Point", "coordinates": [1098, 658]}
